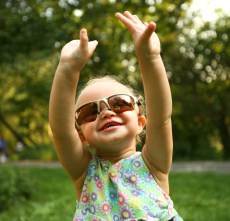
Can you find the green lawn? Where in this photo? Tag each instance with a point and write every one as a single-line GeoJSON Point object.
{"type": "Point", "coordinates": [201, 196]}
{"type": "Point", "coordinates": [197, 196]}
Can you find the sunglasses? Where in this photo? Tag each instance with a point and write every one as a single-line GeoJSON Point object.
{"type": "Point", "coordinates": [118, 103]}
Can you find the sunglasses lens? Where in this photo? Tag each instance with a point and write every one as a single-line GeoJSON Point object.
{"type": "Point", "coordinates": [87, 113]}
{"type": "Point", "coordinates": [121, 103]}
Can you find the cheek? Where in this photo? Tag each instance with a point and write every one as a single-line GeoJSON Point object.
{"type": "Point", "coordinates": [87, 131]}
{"type": "Point", "coordinates": [131, 119]}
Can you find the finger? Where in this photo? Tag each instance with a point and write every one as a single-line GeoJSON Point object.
{"type": "Point", "coordinates": [150, 28]}
{"type": "Point", "coordinates": [146, 24]}
{"type": "Point", "coordinates": [126, 21]}
{"type": "Point", "coordinates": [92, 45]}
{"type": "Point", "coordinates": [132, 17]}
{"type": "Point", "coordinates": [83, 39]}
{"type": "Point", "coordinates": [137, 19]}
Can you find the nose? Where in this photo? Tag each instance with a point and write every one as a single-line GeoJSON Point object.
{"type": "Point", "coordinates": [106, 113]}
{"type": "Point", "coordinates": [105, 110]}
{"type": "Point", "coordinates": [103, 105]}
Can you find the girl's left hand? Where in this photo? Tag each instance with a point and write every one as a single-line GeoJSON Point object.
{"type": "Point", "coordinates": [146, 41]}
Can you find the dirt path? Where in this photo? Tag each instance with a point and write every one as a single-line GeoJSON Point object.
{"type": "Point", "coordinates": [202, 166]}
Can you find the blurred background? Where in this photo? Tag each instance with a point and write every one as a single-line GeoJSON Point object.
{"type": "Point", "coordinates": [196, 50]}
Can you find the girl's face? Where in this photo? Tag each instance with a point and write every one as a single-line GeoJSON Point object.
{"type": "Point", "coordinates": [110, 132]}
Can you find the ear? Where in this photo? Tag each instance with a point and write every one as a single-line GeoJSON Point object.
{"type": "Point", "coordinates": [86, 145]}
{"type": "Point", "coordinates": [141, 123]}
{"type": "Point", "coordinates": [81, 135]}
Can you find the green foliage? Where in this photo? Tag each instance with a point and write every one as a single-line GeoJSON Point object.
{"type": "Point", "coordinates": [43, 153]}
{"type": "Point", "coordinates": [15, 186]}
{"type": "Point", "coordinates": [196, 59]}
{"type": "Point", "coordinates": [201, 92]}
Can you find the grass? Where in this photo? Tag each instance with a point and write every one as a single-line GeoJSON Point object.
{"type": "Point", "coordinates": [53, 198]}
{"type": "Point", "coordinates": [201, 196]}
{"type": "Point", "coordinates": [197, 197]}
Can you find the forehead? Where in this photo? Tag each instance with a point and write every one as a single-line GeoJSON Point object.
{"type": "Point", "coordinates": [99, 90]}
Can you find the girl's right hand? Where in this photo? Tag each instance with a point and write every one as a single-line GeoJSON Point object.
{"type": "Point", "coordinates": [145, 39]}
{"type": "Point", "coordinates": [76, 53]}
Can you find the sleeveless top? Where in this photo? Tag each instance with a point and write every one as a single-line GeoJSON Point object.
{"type": "Point", "coordinates": [123, 191]}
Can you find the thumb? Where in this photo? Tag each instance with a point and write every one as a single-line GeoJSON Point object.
{"type": "Point", "coordinates": [150, 28]}
{"type": "Point", "coordinates": [83, 39]}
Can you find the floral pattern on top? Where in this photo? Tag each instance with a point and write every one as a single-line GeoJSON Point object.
{"type": "Point", "coordinates": [125, 191]}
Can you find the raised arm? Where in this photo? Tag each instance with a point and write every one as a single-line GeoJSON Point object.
{"type": "Point", "coordinates": [158, 147]}
{"type": "Point", "coordinates": [69, 147]}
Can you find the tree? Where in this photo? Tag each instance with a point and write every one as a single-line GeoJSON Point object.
{"type": "Point", "coordinates": [32, 33]}
{"type": "Point", "coordinates": [205, 91]}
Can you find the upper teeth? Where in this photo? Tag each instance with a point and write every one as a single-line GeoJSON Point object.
{"type": "Point", "coordinates": [112, 124]}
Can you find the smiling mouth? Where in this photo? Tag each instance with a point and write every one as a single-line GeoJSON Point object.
{"type": "Point", "coordinates": [110, 125]}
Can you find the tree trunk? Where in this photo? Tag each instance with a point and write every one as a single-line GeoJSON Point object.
{"type": "Point", "coordinates": [224, 135]}
{"type": "Point", "coordinates": [15, 133]}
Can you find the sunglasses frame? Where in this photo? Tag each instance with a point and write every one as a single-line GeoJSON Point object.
{"type": "Point", "coordinates": [137, 101]}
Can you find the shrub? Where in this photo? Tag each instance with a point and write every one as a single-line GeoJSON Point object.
{"type": "Point", "coordinates": [42, 152]}
{"type": "Point", "coordinates": [15, 185]}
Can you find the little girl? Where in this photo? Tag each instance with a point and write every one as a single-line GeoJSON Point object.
{"type": "Point", "coordinates": [114, 182]}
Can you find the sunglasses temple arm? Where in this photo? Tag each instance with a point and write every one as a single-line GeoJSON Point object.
{"type": "Point", "coordinates": [76, 124]}
{"type": "Point", "coordinates": [98, 107]}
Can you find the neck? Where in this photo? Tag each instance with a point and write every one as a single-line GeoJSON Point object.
{"type": "Point", "coordinates": [114, 157]}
